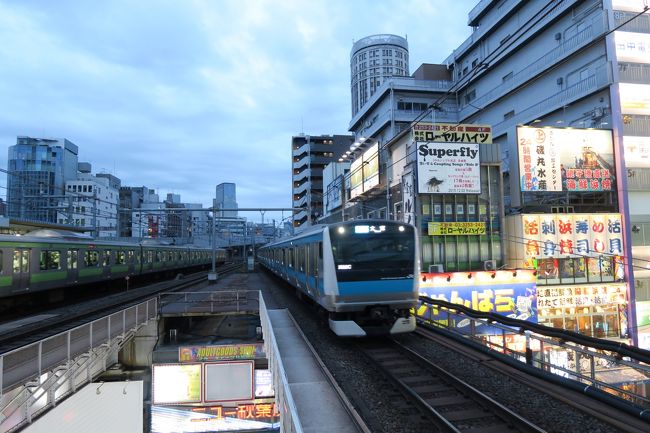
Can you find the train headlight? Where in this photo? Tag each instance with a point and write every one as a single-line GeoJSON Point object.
{"type": "Point", "coordinates": [401, 228]}
{"type": "Point", "coordinates": [341, 230]}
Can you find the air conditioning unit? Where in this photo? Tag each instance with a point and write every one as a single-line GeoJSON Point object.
{"type": "Point", "coordinates": [559, 81]}
{"type": "Point", "coordinates": [490, 265]}
{"type": "Point", "coordinates": [558, 36]}
{"type": "Point", "coordinates": [438, 268]}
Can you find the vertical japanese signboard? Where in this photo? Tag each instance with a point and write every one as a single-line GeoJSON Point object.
{"type": "Point", "coordinates": [562, 159]}
{"type": "Point", "coordinates": [562, 235]}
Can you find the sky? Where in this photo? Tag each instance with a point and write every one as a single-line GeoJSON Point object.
{"type": "Point", "coordinates": [181, 95]}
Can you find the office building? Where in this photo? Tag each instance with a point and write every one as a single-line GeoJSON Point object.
{"type": "Point", "coordinates": [373, 59]}
{"type": "Point", "coordinates": [36, 174]}
{"type": "Point", "coordinates": [226, 200]}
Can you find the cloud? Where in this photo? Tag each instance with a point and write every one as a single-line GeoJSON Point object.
{"type": "Point", "coordinates": [183, 95]}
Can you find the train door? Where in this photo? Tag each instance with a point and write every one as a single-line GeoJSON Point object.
{"type": "Point", "coordinates": [21, 272]}
{"type": "Point", "coordinates": [73, 265]}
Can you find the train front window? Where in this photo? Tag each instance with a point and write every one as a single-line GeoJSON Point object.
{"type": "Point", "coordinates": [367, 252]}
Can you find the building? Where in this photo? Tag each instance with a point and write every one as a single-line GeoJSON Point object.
{"type": "Point", "coordinates": [309, 156]}
{"type": "Point", "coordinates": [226, 200]}
{"type": "Point", "coordinates": [36, 176]}
{"type": "Point", "coordinates": [91, 203]}
{"type": "Point", "coordinates": [561, 88]}
{"type": "Point", "coordinates": [373, 59]}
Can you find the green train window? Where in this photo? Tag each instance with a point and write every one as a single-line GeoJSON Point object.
{"type": "Point", "coordinates": [50, 260]}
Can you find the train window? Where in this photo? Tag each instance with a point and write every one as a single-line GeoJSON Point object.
{"type": "Point", "coordinates": [17, 261]}
{"type": "Point", "coordinates": [91, 258]}
{"type": "Point", "coordinates": [157, 257]}
{"type": "Point", "coordinates": [72, 259]}
{"type": "Point", "coordinates": [50, 260]}
{"type": "Point", "coordinates": [1, 255]}
{"type": "Point", "coordinates": [130, 256]}
{"type": "Point", "coordinates": [107, 258]}
{"type": "Point", "coordinates": [120, 257]}
{"type": "Point", "coordinates": [149, 256]}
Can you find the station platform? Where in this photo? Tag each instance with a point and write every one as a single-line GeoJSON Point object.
{"type": "Point", "coordinates": [318, 407]}
{"type": "Point", "coordinates": [235, 314]}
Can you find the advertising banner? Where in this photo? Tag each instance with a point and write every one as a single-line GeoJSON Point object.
{"type": "Point", "coordinates": [176, 383]}
{"type": "Point", "coordinates": [456, 228]}
{"type": "Point", "coordinates": [510, 294]}
{"type": "Point", "coordinates": [562, 159]}
{"type": "Point", "coordinates": [364, 172]}
{"type": "Point", "coordinates": [452, 133]}
{"type": "Point", "coordinates": [632, 47]}
{"type": "Point", "coordinates": [221, 352]}
{"type": "Point", "coordinates": [448, 168]}
{"type": "Point", "coordinates": [563, 235]}
{"type": "Point", "coordinates": [635, 98]}
{"type": "Point", "coordinates": [637, 151]}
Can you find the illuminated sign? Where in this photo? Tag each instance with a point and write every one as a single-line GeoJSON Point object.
{"type": "Point", "coordinates": [263, 384]}
{"type": "Point", "coordinates": [229, 381]}
{"type": "Point", "coordinates": [363, 229]}
{"type": "Point", "coordinates": [221, 352]}
{"type": "Point", "coordinates": [249, 417]}
{"type": "Point", "coordinates": [637, 151]}
{"type": "Point", "coordinates": [584, 295]}
{"type": "Point", "coordinates": [364, 171]}
{"type": "Point", "coordinates": [635, 98]}
{"type": "Point", "coordinates": [632, 47]}
{"type": "Point", "coordinates": [635, 6]}
{"type": "Point", "coordinates": [510, 293]}
{"type": "Point", "coordinates": [562, 235]}
{"type": "Point", "coordinates": [563, 159]}
{"type": "Point", "coordinates": [452, 133]}
{"type": "Point", "coordinates": [176, 383]}
{"type": "Point", "coordinates": [456, 228]}
{"type": "Point", "coordinates": [448, 168]}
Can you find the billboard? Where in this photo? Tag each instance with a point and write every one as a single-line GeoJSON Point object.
{"type": "Point", "coordinates": [176, 383]}
{"type": "Point", "coordinates": [456, 228]}
{"type": "Point", "coordinates": [452, 133]}
{"type": "Point", "coordinates": [637, 151]}
{"type": "Point", "coordinates": [632, 47]}
{"type": "Point", "coordinates": [229, 381]}
{"type": "Point", "coordinates": [364, 171]}
{"type": "Point", "coordinates": [567, 235]}
{"type": "Point", "coordinates": [448, 168]}
{"type": "Point", "coordinates": [564, 159]}
{"type": "Point", "coordinates": [510, 293]}
{"type": "Point", "coordinates": [635, 98]}
{"type": "Point", "coordinates": [220, 352]}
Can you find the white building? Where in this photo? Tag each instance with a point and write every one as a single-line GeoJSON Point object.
{"type": "Point", "coordinates": [92, 204]}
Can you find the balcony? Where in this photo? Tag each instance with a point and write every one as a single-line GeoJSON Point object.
{"type": "Point", "coordinates": [538, 66]}
{"type": "Point", "coordinates": [602, 78]}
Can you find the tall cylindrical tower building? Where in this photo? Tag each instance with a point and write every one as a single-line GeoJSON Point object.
{"type": "Point", "coordinates": [372, 60]}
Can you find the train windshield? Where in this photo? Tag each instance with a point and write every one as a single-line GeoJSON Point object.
{"type": "Point", "coordinates": [371, 252]}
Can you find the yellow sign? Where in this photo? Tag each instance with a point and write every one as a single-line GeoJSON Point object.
{"type": "Point", "coordinates": [456, 228]}
{"type": "Point", "coordinates": [452, 133]}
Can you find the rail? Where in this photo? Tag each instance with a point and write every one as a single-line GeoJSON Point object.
{"type": "Point", "coordinates": [33, 378]}
{"type": "Point", "coordinates": [601, 364]}
{"type": "Point", "coordinates": [289, 420]}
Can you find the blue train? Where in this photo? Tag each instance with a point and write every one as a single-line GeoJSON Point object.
{"type": "Point", "coordinates": [363, 273]}
{"type": "Point", "coordinates": [46, 260]}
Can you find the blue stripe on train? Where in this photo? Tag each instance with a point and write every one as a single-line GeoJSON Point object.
{"type": "Point", "coordinates": [351, 288]}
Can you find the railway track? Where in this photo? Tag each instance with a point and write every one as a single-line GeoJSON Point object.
{"type": "Point", "coordinates": [447, 401]}
{"type": "Point", "coordinates": [618, 419]}
{"type": "Point", "coordinates": [37, 327]}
